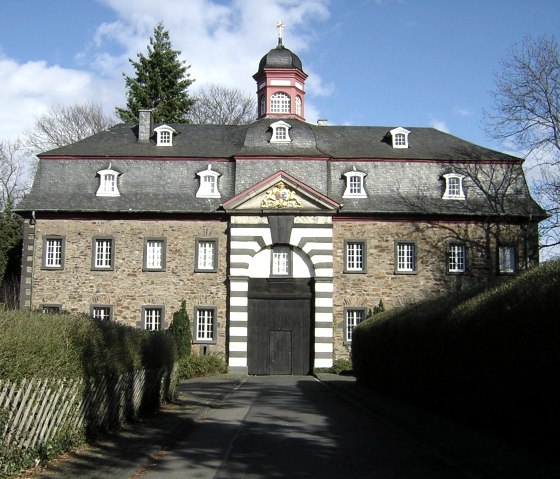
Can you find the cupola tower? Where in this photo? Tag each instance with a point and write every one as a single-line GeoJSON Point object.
{"type": "Point", "coordinates": [280, 83]}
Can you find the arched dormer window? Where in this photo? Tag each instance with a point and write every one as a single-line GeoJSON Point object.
{"type": "Point", "coordinates": [108, 182]}
{"type": "Point", "coordinates": [164, 135]}
{"type": "Point", "coordinates": [298, 105]}
{"type": "Point", "coordinates": [355, 184]}
{"type": "Point", "coordinates": [280, 132]}
{"type": "Point", "coordinates": [280, 103]}
{"type": "Point", "coordinates": [208, 184]}
{"type": "Point", "coordinates": [399, 137]}
{"type": "Point", "coordinates": [453, 187]}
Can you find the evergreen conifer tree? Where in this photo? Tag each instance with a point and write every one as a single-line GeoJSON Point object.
{"type": "Point", "coordinates": [160, 84]}
{"type": "Point", "coordinates": [180, 328]}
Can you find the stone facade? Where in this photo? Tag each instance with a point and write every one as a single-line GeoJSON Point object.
{"type": "Point", "coordinates": [127, 288]}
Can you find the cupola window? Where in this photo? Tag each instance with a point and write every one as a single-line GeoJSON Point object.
{"type": "Point", "coordinates": [399, 137]}
{"type": "Point", "coordinates": [298, 105]}
{"type": "Point", "coordinates": [108, 183]}
{"type": "Point", "coordinates": [355, 184]}
{"type": "Point", "coordinates": [453, 187]}
{"type": "Point", "coordinates": [164, 135]}
{"type": "Point", "coordinates": [208, 184]}
{"type": "Point", "coordinates": [280, 132]}
{"type": "Point", "coordinates": [263, 105]}
{"type": "Point", "coordinates": [280, 103]}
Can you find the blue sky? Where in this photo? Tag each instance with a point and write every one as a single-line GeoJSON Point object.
{"type": "Point", "coordinates": [370, 62]}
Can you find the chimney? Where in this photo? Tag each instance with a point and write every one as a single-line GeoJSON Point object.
{"type": "Point", "coordinates": [145, 125]}
{"type": "Point", "coordinates": [322, 122]}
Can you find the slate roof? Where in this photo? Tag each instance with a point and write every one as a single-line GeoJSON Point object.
{"type": "Point", "coordinates": [163, 179]}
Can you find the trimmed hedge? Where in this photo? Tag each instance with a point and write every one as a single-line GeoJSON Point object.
{"type": "Point", "coordinates": [492, 359]}
{"type": "Point", "coordinates": [40, 345]}
{"type": "Point", "coordinates": [195, 366]}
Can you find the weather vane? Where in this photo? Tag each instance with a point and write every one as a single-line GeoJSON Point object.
{"type": "Point", "coordinates": [280, 27]}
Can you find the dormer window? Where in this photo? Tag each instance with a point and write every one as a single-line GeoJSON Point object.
{"type": "Point", "coordinates": [280, 132]}
{"type": "Point", "coordinates": [208, 184]}
{"type": "Point", "coordinates": [399, 137]}
{"type": "Point", "coordinates": [355, 184]}
{"type": "Point", "coordinates": [108, 182]}
{"type": "Point", "coordinates": [453, 187]}
{"type": "Point", "coordinates": [280, 103]}
{"type": "Point", "coordinates": [164, 135]}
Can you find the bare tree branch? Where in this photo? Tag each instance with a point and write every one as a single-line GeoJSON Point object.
{"type": "Point", "coordinates": [526, 110]}
{"type": "Point", "coordinates": [15, 169]}
{"type": "Point", "coordinates": [220, 105]}
{"type": "Point", "coordinates": [64, 125]}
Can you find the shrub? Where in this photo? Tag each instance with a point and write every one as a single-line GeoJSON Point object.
{"type": "Point", "coordinates": [180, 329]}
{"type": "Point", "coordinates": [195, 366]}
{"type": "Point", "coordinates": [490, 358]}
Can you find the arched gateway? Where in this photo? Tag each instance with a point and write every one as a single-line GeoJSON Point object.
{"type": "Point", "coordinates": [280, 279]}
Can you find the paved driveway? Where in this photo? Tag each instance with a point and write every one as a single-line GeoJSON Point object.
{"type": "Point", "coordinates": [293, 427]}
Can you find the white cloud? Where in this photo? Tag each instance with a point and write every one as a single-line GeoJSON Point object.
{"type": "Point", "coordinates": [439, 125]}
{"type": "Point", "coordinates": [461, 111]}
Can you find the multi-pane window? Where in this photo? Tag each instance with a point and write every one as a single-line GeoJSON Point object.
{"type": "Point", "coordinates": [506, 259]}
{"type": "Point", "coordinates": [208, 183]}
{"type": "Point", "coordinates": [400, 139]}
{"type": "Point", "coordinates": [453, 187]}
{"type": "Point", "coordinates": [263, 105]}
{"type": "Point", "coordinates": [457, 258]}
{"type": "Point", "coordinates": [153, 318]}
{"type": "Point", "coordinates": [108, 183]}
{"type": "Point", "coordinates": [355, 258]}
{"type": "Point", "coordinates": [280, 103]}
{"type": "Point", "coordinates": [102, 313]}
{"type": "Point", "coordinates": [281, 133]}
{"type": "Point", "coordinates": [51, 308]}
{"type": "Point", "coordinates": [298, 105]}
{"type": "Point", "coordinates": [355, 184]}
{"type": "Point", "coordinates": [103, 253]}
{"type": "Point", "coordinates": [205, 324]}
{"type": "Point", "coordinates": [206, 255]}
{"type": "Point", "coordinates": [353, 317]}
{"type": "Point", "coordinates": [165, 137]}
{"type": "Point", "coordinates": [53, 252]}
{"type": "Point", "coordinates": [406, 257]}
{"type": "Point", "coordinates": [154, 254]}
{"type": "Point", "coordinates": [281, 256]}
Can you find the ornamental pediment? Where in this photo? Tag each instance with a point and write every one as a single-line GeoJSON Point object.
{"type": "Point", "coordinates": [280, 192]}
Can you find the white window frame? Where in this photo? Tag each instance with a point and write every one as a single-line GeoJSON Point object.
{"type": "Point", "coordinates": [280, 102]}
{"type": "Point", "coordinates": [164, 135]}
{"type": "Point", "coordinates": [454, 187]}
{"type": "Point", "coordinates": [298, 105]}
{"type": "Point", "coordinates": [153, 317]}
{"type": "Point", "coordinates": [102, 312]}
{"type": "Point", "coordinates": [397, 138]}
{"type": "Point", "coordinates": [280, 132]}
{"type": "Point", "coordinates": [355, 184]}
{"type": "Point", "coordinates": [281, 260]}
{"type": "Point", "coordinates": [507, 259]}
{"type": "Point", "coordinates": [108, 182]}
{"type": "Point", "coordinates": [457, 258]}
{"type": "Point", "coordinates": [154, 254]}
{"type": "Point", "coordinates": [103, 253]}
{"type": "Point", "coordinates": [208, 187]}
{"type": "Point", "coordinates": [355, 256]}
{"type": "Point", "coordinates": [352, 317]}
{"type": "Point", "coordinates": [405, 257]}
{"type": "Point", "coordinates": [206, 255]}
{"type": "Point", "coordinates": [53, 252]}
{"type": "Point", "coordinates": [205, 324]}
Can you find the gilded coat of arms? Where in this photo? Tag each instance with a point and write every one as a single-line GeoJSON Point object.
{"type": "Point", "coordinates": [280, 197]}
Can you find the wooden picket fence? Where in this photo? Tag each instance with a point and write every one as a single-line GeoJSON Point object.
{"type": "Point", "coordinates": [33, 411]}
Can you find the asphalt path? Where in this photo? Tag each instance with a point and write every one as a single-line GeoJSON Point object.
{"type": "Point", "coordinates": [234, 426]}
{"type": "Point", "coordinates": [296, 427]}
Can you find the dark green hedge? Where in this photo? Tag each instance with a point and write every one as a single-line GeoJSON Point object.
{"type": "Point", "coordinates": [40, 345]}
{"type": "Point", "coordinates": [492, 359]}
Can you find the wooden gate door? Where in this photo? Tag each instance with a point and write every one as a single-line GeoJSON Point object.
{"type": "Point", "coordinates": [279, 326]}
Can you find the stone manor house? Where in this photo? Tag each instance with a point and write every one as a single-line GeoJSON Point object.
{"type": "Point", "coordinates": [281, 235]}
